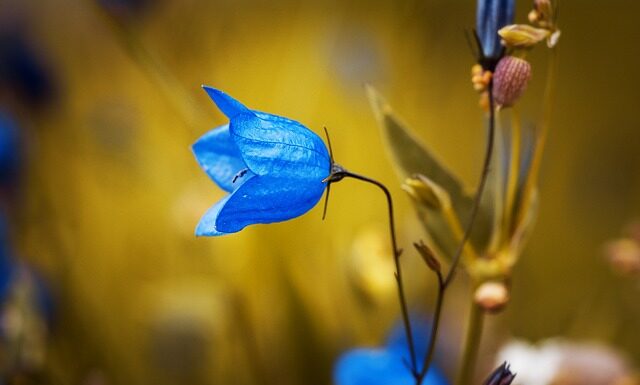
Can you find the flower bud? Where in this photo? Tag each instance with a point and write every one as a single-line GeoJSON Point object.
{"type": "Point", "coordinates": [426, 192]}
{"type": "Point", "coordinates": [501, 376]}
{"type": "Point", "coordinates": [544, 9]}
{"type": "Point", "coordinates": [428, 256]}
{"type": "Point", "coordinates": [522, 35]}
{"type": "Point", "coordinates": [491, 15]}
{"type": "Point", "coordinates": [480, 78]}
{"type": "Point", "coordinates": [510, 80]}
{"type": "Point", "coordinates": [624, 256]}
{"type": "Point", "coordinates": [492, 296]}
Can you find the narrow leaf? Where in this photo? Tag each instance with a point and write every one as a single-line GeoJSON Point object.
{"type": "Point", "coordinates": [411, 157]}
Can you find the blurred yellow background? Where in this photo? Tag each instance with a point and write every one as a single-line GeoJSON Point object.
{"type": "Point", "coordinates": [112, 192]}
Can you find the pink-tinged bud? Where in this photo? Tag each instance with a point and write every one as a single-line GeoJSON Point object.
{"type": "Point", "coordinates": [510, 80]}
{"type": "Point", "coordinates": [624, 256]}
{"type": "Point", "coordinates": [492, 296]}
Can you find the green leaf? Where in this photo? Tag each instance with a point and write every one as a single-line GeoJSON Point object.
{"type": "Point", "coordinates": [411, 157]}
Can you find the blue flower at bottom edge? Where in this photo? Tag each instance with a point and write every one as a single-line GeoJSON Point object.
{"type": "Point", "coordinates": [386, 365]}
{"type": "Point", "coordinates": [273, 167]}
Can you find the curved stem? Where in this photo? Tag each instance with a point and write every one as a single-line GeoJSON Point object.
{"type": "Point", "coordinates": [434, 331]}
{"type": "Point", "coordinates": [480, 190]}
{"type": "Point", "coordinates": [444, 283]}
{"type": "Point", "coordinates": [396, 258]}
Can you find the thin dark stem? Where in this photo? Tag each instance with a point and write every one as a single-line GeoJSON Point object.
{"type": "Point", "coordinates": [396, 258]}
{"type": "Point", "coordinates": [434, 330]}
{"type": "Point", "coordinates": [443, 284]}
{"type": "Point", "coordinates": [479, 191]}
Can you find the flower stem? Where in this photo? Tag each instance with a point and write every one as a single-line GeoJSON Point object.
{"type": "Point", "coordinates": [443, 284]}
{"type": "Point", "coordinates": [434, 330]}
{"type": "Point", "coordinates": [471, 345]}
{"type": "Point", "coordinates": [396, 258]}
{"type": "Point", "coordinates": [480, 189]}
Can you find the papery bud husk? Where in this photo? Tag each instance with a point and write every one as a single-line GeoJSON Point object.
{"type": "Point", "coordinates": [492, 296]}
{"type": "Point", "coordinates": [552, 41]}
{"type": "Point", "coordinates": [428, 256]}
{"type": "Point", "coordinates": [510, 80]}
{"type": "Point", "coordinates": [544, 9]}
{"type": "Point", "coordinates": [522, 35]}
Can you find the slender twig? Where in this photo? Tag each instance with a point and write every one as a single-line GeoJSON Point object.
{"type": "Point", "coordinates": [434, 330]}
{"type": "Point", "coordinates": [479, 191]}
{"type": "Point", "coordinates": [443, 284]}
{"type": "Point", "coordinates": [396, 258]}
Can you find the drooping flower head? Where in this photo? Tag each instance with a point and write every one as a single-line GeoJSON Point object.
{"type": "Point", "coordinates": [274, 168]}
{"type": "Point", "coordinates": [492, 15]}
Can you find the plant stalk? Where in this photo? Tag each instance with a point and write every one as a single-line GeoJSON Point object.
{"type": "Point", "coordinates": [396, 259]}
{"type": "Point", "coordinates": [443, 284]}
{"type": "Point", "coordinates": [471, 345]}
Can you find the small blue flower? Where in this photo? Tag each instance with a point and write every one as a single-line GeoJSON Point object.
{"type": "Point", "coordinates": [387, 365]}
{"type": "Point", "coordinates": [490, 17]}
{"type": "Point", "coordinates": [274, 168]}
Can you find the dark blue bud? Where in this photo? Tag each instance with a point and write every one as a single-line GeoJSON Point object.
{"type": "Point", "coordinates": [501, 376]}
{"type": "Point", "coordinates": [491, 16]}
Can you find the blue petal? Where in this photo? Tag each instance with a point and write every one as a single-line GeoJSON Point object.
{"type": "Point", "coordinates": [278, 146]}
{"type": "Point", "coordinates": [421, 330]}
{"type": "Point", "coordinates": [207, 225]}
{"type": "Point", "coordinates": [219, 157]}
{"type": "Point", "coordinates": [378, 367]}
{"type": "Point", "coordinates": [228, 105]}
{"type": "Point", "coordinates": [492, 15]}
{"type": "Point", "coordinates": [267, 199]}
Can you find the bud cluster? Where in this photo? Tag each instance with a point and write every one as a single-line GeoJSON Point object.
{"type": "Point", "coordinates": [481, 78]}
{"type": "Point", "coordinates": [542, 14]}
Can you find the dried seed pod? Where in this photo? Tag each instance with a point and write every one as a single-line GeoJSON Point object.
{"type": "Point", "coordinates": [510, 80]}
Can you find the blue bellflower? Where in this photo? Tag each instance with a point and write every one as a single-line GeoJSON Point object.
{"type": "Point", "coordinates": [388, 365]}
{"type": "Point", "coordinates": [274, 168]}
{"type": "Point", "coordinates": [491, 16]}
